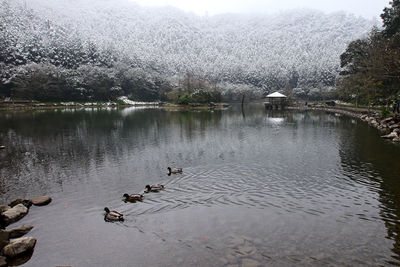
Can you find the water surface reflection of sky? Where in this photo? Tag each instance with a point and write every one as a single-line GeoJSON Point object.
{"type": "Point", "coordinates": [273, 187]}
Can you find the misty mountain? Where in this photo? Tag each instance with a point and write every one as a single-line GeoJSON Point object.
{"type": "Point", "coordinates": [297, 48]}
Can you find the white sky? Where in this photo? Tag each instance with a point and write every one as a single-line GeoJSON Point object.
{"type": "Point", "coordinates": [366, 8]}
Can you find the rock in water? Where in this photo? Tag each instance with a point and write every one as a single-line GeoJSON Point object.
{"type": "Point", "coordinates": [4, 239]}
{"type": "Point", "coordinates": [19, 246]}
{"type": "Point", "coordinates": [387, 120]}
{"type": "Point", "coordinates": [26, 202]}
{"type": "Point", "coordinates": [14, 214]}
{"type": "Point", "coordinates": [3, 208]}
{"type": "Point", "coordinates": [3, 244]}
{"type": "Point", "coordinates": [394, 126]}
{"type": "Point", "coordinates": [41, 201]}
{"type": "Point", "coordinates": [4, 235]}
{"type": "Point", "coordinates": [19, 231]}
{"type": "Point", "coordinates": [20, 260]}
{"type": "Point", "coordinates": [390, 136]}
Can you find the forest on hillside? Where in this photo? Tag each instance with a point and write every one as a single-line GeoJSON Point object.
{"type": "Point", "coordinates": [371, 65]}
{"type": "Point", "coordinates": [101, 49]}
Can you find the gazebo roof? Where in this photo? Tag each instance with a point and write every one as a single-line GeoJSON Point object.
{"type": "Point", "coordinates": [276, 95]}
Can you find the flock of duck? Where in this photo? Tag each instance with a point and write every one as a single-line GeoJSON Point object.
{"type": "Point", "coordinates": [113, 215]}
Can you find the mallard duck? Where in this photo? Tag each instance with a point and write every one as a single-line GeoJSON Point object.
{"type": "Point", "coordinates": [153, 188]}
{"type": "Point", "coordinates": [113, 215]}
{"type": "Point", "coordinates": [174, 170]}
{"type": "Point", "coordinates": [133, 197]}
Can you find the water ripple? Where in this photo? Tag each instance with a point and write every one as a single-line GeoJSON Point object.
{"type": "Point", "coordinates": [255, 185]}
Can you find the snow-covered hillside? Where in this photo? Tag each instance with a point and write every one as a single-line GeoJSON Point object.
{"type": "Point", "coordinates": [293, 48]}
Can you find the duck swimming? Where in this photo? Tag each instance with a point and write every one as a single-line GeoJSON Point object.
{"type": "Point", "coordinates": [133, 197]}
{"type": "Point", "coordinates": [174, 170]}
{"type": "Point", "coordinates": [153, 188]}
{"type": "Point", "coordinates": [113, 215]}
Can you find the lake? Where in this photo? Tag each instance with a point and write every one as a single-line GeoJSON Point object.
{"type": "Point", "coordinates": [275, 188]}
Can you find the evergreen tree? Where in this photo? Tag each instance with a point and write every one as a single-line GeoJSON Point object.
{"type": "Point", "coordinates": [391, 18]}
{"type": "Point", "coordinates": [370, 66]}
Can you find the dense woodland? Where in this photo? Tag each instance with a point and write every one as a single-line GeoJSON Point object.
{"type": "Point", "coordinates": [53, 50]}
{"type": "Point", "coordinates": [371, 65]}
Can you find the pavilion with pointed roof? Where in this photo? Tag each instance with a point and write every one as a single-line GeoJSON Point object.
{"type": "Point", "coordinates": [275, 101]}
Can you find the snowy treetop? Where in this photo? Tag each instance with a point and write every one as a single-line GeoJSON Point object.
{"type": "Point", "coordinates": [240, 49]}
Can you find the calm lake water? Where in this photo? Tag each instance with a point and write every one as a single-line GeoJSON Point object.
{"type": "Point", "coordinates": [258, 188]}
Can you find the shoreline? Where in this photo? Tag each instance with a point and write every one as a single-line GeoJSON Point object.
{"type": "Point", "coordinates": [72, 105]}
{"type": "Point", "coordinates": [65, 105]}
{"type": "Point", "coordinates": [210, 106]}
{"type": "Point", "coordinates": [389, 125]}
{"type": "Point", "coordinates": [50, 107]}
{"type": "Point", "coordinates": [342, 110]}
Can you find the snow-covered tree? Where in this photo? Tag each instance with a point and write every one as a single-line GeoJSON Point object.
{"type": "Point", "coordinates": [298, 48]}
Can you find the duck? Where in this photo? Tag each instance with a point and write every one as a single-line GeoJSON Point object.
{"type": "Point", "coordinates": [113, 215]}
{"type": "Point", "coordinates": [153, 188]}
{"type": "Point", "coordinates": [133, 197]}
{"type": "Point", "coordinates": [174, 170]}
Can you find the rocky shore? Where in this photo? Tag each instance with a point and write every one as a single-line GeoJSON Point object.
{"type": "Point", "coordinates": [14, 247]}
